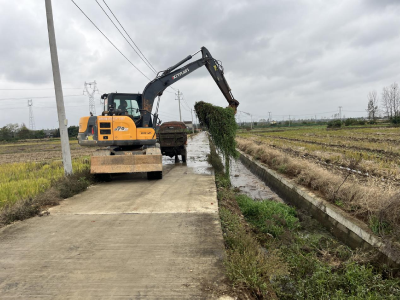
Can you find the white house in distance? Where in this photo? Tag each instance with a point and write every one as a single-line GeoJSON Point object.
{"type": "Point", "coordinates": [189, 124]}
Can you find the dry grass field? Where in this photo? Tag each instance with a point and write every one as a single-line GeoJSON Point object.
{"type": "Point", "coordinates": [39, 151]}
{"type": "Point", "coordinates": [358, 169]}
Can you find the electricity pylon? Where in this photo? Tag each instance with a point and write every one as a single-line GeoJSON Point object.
{"type": "Point", "coordinates": [93, 87]}
{"type": "Point", "coordinates": [31, 119]}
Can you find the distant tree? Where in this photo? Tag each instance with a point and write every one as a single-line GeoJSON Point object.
{"type": "Point", "coordinates": [334, 124]}
{"type": "Point", "coordinates": [23, 132]}
{"type": "Point", "coordinates": [5, 134]}
{"type": "Point", "coordinates": [372, 105]}
{"type": "Point", "coordinates": [9, 132]}
{"type": "Point", "coordinates": [391, 100]}
{"type": "Point", "coordinates": [73, 131]}
{"type": "Point", "coordinates": [40, 134]}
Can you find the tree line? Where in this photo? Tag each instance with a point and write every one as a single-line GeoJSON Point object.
{"type": "Point", "coordinates": [14, 132]}
{"type": "Point", "coordinates": [390, 103]}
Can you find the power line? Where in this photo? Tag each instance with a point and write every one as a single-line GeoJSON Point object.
{"type": "Point", "coordinates": [155, 72]}
{"type": "Point", "coordinates": [125, 39]}
{"type": "Point", "coordinates": [110, 40]}
{"type": "Point", "coordinates": [353, 111]}
{"type": "Point", "coordinates": [25, 98]}
{"type": "Point", "coordinates": [149, 64]}
{"type": "Point", "coordinates": [38, 89]}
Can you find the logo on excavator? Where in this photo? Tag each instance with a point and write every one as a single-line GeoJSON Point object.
{"type": "Point", "coordinates": [180, 73]}
{"type": "Point", "coordinates": [121, 128]}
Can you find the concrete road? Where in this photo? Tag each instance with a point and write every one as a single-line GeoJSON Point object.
{"type": "Point", "coordinates": [127, 239]}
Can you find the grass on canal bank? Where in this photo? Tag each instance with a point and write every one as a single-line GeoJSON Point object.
{"type": "Point", "coordinates": [275, 251]}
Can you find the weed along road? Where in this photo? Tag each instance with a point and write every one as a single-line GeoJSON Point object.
{"type": "Point", "coordinates": [126, 239]}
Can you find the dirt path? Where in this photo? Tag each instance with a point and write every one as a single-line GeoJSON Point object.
{"type": "Point", "coordinates": [127, 239]}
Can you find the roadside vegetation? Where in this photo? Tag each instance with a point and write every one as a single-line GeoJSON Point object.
{"type": "Point", "coordinates": [277, 252]}
{"type": "Point", "coordinates": [57, 188]}
{"type": "Point", "coordinates": [32, 177]}
{"type": "Point", "coordinates": [20, 181]}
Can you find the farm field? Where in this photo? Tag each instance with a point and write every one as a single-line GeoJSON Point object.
{"type": "Point", "coordinates": [377, 150]}
{"type": "Point", "coordinates": [39, 150]}
{"type": "Point", "coordinates": [357, 169]}
{"type": "Point", "coordinates": [28, 168]}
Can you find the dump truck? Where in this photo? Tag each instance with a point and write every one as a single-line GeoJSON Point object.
{"type": "Point", "coordinates": [125, 132]}
{"type": "Point", "coordinates": [172, 137]}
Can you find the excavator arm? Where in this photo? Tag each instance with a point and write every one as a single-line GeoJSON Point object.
{"type": "Point", "coordinates": [171, 75]}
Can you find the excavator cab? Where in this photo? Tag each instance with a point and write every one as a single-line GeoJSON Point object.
{"type": "Point", "coordinates": [120, 124]}
{"type": "Point", "coordinates": [123, 104]}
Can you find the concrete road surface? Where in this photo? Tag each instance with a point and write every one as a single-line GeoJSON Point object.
{"type": "Point", "coordinates": [127, 239]}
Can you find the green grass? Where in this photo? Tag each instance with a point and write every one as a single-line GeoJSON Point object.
{"type": "Point", "coordinates": [268, 216]}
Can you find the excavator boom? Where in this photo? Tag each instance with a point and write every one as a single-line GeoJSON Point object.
{"type": "Point", "coordinates": [171, 75]}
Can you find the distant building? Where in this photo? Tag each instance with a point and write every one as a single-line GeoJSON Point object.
{"type": "Point", "coordinates": [49, 133]}
{"type": "Point", "coordinates": [189, 124]}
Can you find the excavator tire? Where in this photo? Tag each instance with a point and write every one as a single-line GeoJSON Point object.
{"type": "Point", "coordinates": [154, 175]}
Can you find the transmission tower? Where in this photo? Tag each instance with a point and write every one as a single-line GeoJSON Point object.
{"type": "Point", "coordinates": [31, 119]}
{"type": "Point", "coordinates": [90, 88]}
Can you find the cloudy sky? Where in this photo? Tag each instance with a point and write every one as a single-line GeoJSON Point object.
{"type": "Point", "coordinates": [288, 57]}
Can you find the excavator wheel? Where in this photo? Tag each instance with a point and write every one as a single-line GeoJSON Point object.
{"type": "Point", "coordinates": [154, 175]}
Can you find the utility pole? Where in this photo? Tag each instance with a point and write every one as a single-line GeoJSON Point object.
{"type": "Point", "coordinates": [289, 120]}
{"type": "Point", "coordinates": [179, 94]}
{"type": "Point", "coordinates": [62, 121]}
{"type": "Point", "coordinates": [340, 113]}
{"type": "Point", "coordinates": [31, 119]}
{"type": "Point", "coordinates": [191, 114]}
{"type": "Point", "coordinates": [92, 105]}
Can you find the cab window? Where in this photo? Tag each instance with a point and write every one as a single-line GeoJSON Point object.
{"type": "Point", "coordinates": [130, 106]}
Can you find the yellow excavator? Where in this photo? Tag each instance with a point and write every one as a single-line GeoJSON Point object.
{"type": "Point", "coordinates": [125, 132]}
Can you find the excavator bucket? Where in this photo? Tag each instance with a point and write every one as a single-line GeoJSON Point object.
{"type": "Point", "coordinates": [127, 162]}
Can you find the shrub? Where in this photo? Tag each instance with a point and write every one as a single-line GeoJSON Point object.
{"type": "Point", "coordinates": [350, 121]}
{"type": "Point", "coordinates": [361, 122]}
{"type": "Point", "coordinates": [395, 120]}
{"type": "Point", "coordinates": [334, 124]}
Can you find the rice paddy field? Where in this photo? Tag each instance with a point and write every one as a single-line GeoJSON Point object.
{"type": "Point", "coordinates": [377, 150]}
{"type": "Point", "coordinates": [30, 167]}
{"type": "Point", "coordinates": [356, 168]}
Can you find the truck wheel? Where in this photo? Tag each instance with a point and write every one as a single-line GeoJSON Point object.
{"type": "Point", "coordinates": [154, 175]}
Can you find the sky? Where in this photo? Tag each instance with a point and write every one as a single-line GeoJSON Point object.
{"type": "Point", "coordinates": [303, 58]}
